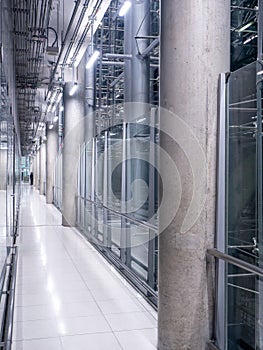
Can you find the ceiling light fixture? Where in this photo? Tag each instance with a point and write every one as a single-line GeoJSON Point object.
{"type": "Point", "coordinates": [125, 8]}
{"type": "Point", "coordinates": [54, 108]}
{"type": "Point", "coordinates": [59, 97]}
{"type": "Point", "coordinates": [73, 89]}
{"type": "Point", "coordinates": [260, 72]}
{"type": "Point", "coordinates": [93, 59]}
{"type": "Point", "coordinates": [246, 26]}
{"type": "Point", "coordinates": [48, 95]}
{"type": "Point", "coordinates": [51, 126]}
{"type": "Point", "coordinates": [55, 119]}
{"type": "Point", "coordinates": [49, 108]}
{"type": "Point", "coordinates": [53, 98]}
{"type": "Point", "coordinates": [252, 37]}
{"type": "Point", "coordinates": [61, 108]}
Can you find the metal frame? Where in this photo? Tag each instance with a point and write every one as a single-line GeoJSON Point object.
{"type": "Point", "coordinates": [220, 313]}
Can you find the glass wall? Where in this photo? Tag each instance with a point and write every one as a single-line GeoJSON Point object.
{"type": "Point", "coordinates": [9, 176]}
{"type": "Point", "coordinates": [117, 199]}
{"type": "Point", "coordinates": [243, 307]}
{"type": "Point", "coordinates": [25, 169]}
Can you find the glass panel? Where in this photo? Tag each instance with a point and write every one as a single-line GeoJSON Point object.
{"type": "Point", "coordinates": [138, 243]}
{"type": "Point", "coordinates": [241, 216]}
{"type": "Point", "coordinates": [99, 168]}
{"type": "Point", "coordinates": [138, 151]}
{"type": "Point", "coordinates": [102, 212]}
{"type": "Point", "coordinates": [114, 232]}
{"type": "Point", "coordinates": [88, 168]}
{"type": "Point", "coordinates": [114, 171]}
{"type": "Point", "coordinates": [242, 305]}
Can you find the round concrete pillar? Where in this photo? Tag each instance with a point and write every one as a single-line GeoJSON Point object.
{"type": "Point", "coordinates": [195, 49]}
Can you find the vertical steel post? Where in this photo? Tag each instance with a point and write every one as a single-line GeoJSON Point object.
{"type": "Point", "coordinates": [259, 326]}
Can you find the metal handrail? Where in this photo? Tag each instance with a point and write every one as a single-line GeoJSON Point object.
{"type": "Point", "coordinates": [9, 305]}
{"type": "Point", "coordinates": [237, 262]}
{"type": "Point", "coordinates": [141, 223]}
{"type": "Point", "coordinates": [11, 302]}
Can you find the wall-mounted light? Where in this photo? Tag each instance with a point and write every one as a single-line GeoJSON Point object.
{"type": "Point", "coordinates": [246, 26]}
{"type": "Point", "coordinates": [51, 126]}
{"type": "Point", "coordinates": [55, 119]}
{"type": "Point", "coordinates": [73, 89]}
{"type": "Point", "coordinates": [252, 37]}
{"type": "Point", "coordinates": [125, 8]}
{"type": "Point", "coordinates": [93, 59]}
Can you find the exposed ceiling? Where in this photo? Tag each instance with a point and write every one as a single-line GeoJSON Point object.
{"type": "Point", "coordinates": [31, 29]}
{"type": "Point", "coordinates": [47, 37]}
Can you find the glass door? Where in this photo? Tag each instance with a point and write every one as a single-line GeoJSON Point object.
{"type": "Point", "coordinates": [241, 209]}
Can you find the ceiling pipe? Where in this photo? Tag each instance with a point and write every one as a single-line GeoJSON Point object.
{"type": "Point", "coordinates": [77, 3]}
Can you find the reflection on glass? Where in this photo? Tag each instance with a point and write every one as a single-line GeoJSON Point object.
{"type": "Point", "coordinates": [242, 235]}
{"type": "Point", "coordinates": [120, 196]}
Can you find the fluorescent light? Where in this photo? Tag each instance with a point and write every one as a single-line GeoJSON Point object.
{"type": "Point", "coordinates": [49, 108]}
{"type": "Point", "coordinates": [53, 97]}
{"type": "Point", "coordinates": [93, 58]}
{"type": "Point", "coordinates": [73, 89]}
{"type": "Point", "coordinates": [250, 39]}
{"type": "Point", "coordinates": [51, 126]}
{"type": "Point", "coordinates": [260, 72]}
{"type": "Point", "coordinates": [54, 108]}
{"type": "Point", "coordinates": [59, 97]}
{"type": "Point", "coordinates": [61, 108]}
{"type": "Point", "coordinates": [48, 95]}
{"type": "Point", "coordinates": [125, 8]}
{"type": "Point", "coordinates": [245, 26]}
{"type": "Point", "coordinates": [55, 119]}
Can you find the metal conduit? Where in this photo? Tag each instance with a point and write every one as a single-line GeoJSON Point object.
{"type": "Point", "coordinates": [74, 13]}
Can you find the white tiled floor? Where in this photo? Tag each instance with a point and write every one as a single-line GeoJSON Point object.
{"type": "Point", "coordinates": [67, 296]}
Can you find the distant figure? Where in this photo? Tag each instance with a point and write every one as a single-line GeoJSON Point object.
{"type": "Point", "coordinates": [31, 178]}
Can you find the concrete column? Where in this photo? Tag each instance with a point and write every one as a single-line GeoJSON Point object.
{"type": "Point", "coordinates": [52, 148]}
{"type": "Point", "coordinates": [42, 167]}
{"type": "Point", "coordinates": [3, 169]}
{"type": "Point", "coordinates": [74, 131]}
{"type": "Point", "coordinates": [194, 51]}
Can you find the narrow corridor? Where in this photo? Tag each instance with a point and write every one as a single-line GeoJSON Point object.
{"type": "Point", "coordinates": [67, 296]}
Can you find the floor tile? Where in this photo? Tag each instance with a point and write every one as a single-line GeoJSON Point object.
{"type": "Point", "coordinates": [86, 308]}
{"type": "Point", "coordinates": [38, 344]}
{"type": "Point", "coordinates": [116, 306]}
{"type": "Point", "coordinates": [145, 339]}
{"type": "Point", "coordinates": [32, 299]}
{"type": "Point", "coordinates": [83, 325]}
{"type": "Point", "coordinates": [104, 341]}
{"type": "Point", "coordinates": [34, 312]}
{"type": "Point", "coordinates": [35, 330]}
{"type": "Point", "coordinates": [130, 321]}
{"type": "Point", "coordinates": [67, 296]}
